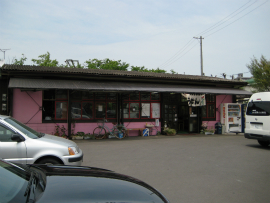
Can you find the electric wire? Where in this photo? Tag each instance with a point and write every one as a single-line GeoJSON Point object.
{"type": "Point", "coordinates": [179, 54]}
{"type": "Point", "coordinates": [227, 18]}
{"type": "Point", "coordinates": [236, 20]}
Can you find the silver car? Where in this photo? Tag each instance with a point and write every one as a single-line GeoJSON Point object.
{"type": "Point", "coordinates": [21, 144]}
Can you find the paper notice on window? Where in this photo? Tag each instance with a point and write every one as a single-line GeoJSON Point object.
{"type": "Point", "coordinates": [145, 109]}
{"type": "Point", "coordinates": [100, 108]}
{"type": "Point", "coordinates": [155, 110]}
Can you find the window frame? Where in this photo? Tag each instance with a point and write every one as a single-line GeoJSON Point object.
{"type": "Point", "coordinates": [210, 102]}
{"type": "Point", "coordinates": [142, 101]}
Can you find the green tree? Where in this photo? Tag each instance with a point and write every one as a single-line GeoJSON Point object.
{"type": "Point", "coordinates": [21, 61]}
{"type": "Point", "coordinates": [139, 69]}
{"type": "Point", "coordinates": [260, 69]}
{"type": "Point", "coordinates": [143, 69]}
{"type": "Point", "coordinates": [45, 60]}
{"type": "Point", "coordinates": [106, 64]}
{"type": "Point", "coordinates": [173, 72]}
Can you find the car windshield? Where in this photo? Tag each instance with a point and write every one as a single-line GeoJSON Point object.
{"type": "Point", "coordinates": [23, 128]}
{"type": "Point", "coordinates": [13, 183]}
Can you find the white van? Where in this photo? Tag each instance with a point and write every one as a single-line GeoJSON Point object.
{"type": "Point", "coordinates": [258, 118]}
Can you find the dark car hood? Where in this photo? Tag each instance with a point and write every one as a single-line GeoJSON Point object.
{"type": "Point", "coordinates": [83, 184]}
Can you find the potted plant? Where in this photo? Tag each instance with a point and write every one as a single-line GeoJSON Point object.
{"type": "Point", "coordinates": [78, 136]}
{"type": "Point", "coordinates": [88, 136]}
{"type": "Point", "coordinates": [170, 131]}
{"type": "Point", "coordinates": [209, 131]}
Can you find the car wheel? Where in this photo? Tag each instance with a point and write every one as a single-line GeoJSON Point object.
{"type": "Point", "coordinates": [49, 161]}
{"type": "Point", "coordinates": [264, 143]}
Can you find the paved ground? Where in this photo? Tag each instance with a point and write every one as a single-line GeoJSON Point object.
{"type": "Point", "coordinates": [189, 168]}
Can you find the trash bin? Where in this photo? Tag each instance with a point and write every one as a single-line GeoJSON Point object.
{"type": "Point", "coordinates": [218, 128]}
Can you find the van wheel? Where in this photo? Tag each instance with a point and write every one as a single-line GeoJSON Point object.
{"type": "Point", "coordinates": [264, 143]}
{"type": "Point", "coordinates": [49, 161]}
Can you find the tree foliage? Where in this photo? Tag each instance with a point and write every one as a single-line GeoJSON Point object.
{"type": "Point", "coordinates": [21, 61]}
{"type": "Point", "coordinates": [143, 69]}
{"type": "Point", "coordinates": [260, 69]}
{"type": "Point", "coordinates": [45, 60]}
{"type": "Point", "coordinates": [106, 64]}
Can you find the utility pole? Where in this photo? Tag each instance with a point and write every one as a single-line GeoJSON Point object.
{"type": "Point", "coordinates": [4, 50]}
{"type": "Point", "coordinates": [201, 53]}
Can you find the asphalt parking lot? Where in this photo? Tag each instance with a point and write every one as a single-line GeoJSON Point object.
{"type": "Point", "coordinates": [189, 168]}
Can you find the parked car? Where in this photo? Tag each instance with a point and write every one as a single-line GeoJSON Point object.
{"type": "Point", "coordinates": [21, 144]}
{"type": "Point", "coordinates": [52, 183]}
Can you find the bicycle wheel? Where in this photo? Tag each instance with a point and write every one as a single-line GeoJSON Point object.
{"type": "Point", "coordinates": [99, 133]}
{"type": "Point", "coordinates": [120, 134]}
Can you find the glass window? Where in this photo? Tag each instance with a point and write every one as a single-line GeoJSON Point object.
{"type": "Point", "coordinates": [61, 110]}
{"type": "Point", "coordinates": [100, 110]}
{"type": "Point", "coordinates": [145, 96]}
{"type": "Point", "coordinates": [204, 111]}
{"type": "Point", "coordinates": [87, 110]}
{"type": "Point", "coordinates": [5, 134]}
{"type": "Point", "coordinates": [155, 96]}
{"type": "Point", "coordinates": [126, 110]}
{"type": "Point", "coordinates": [87, 95]}
{"type": "Point", "coordinates": [125, 96]}
{"type": "Point", "coordinates": [111, 110]}
{"type": "Point", "coordinates": [111, 96]}
{"type": "Point", "coordinates": [261, 108]}
{"type": "Point", "coordinates": [76, 110]}
{"type": "Point", "coordinates": [209, 110]}
{"type": "Point", "coordinates": [134, 110]}
{"type": "Point", "coordinates": [134, 96]}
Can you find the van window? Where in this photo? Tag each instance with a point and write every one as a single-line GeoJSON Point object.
{"type": "Point", "coordinates": [261, 108]}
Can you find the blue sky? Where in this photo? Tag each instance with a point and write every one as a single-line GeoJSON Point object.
{"type": "Point", "coordinates": [150, 33]}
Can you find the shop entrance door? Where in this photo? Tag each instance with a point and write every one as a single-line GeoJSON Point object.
{"type": "Point", "coordinates": [171, 116]}
{"type": "Point", "coordinates": [194, 119]}
{"type": "Point", "coordinates": [183, 119]}
{"type": "Point", "coordinates": [177, 114]}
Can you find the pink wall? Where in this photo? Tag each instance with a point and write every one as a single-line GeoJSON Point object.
{"type": "Point", "coordinates": [26, 109]}
{"type": "Point", "coordinates": [219, 100]}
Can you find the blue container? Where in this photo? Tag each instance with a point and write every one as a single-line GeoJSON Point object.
{"type": "Point", "coordinates": [120, 135]}
{"type": "Point", "coordinates": [146, 132]}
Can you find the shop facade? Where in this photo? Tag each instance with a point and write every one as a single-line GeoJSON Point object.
{"type": "Point", "coordinates": [77, 99]}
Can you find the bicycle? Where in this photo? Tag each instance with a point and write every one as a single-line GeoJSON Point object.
{"type": "Point", "coordinates": [119, 131]}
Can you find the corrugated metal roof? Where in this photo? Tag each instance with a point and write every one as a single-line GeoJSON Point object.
{"type": "Point", "coordinates": [133, 74]}
{"type": "Point", "coordinates": [118, 86]}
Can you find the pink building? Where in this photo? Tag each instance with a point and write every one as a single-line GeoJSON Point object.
{"type": "Point", "coordinates": [76, 99]}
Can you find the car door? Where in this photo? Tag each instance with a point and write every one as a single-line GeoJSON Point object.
{"type": "Point", "coordinates": [11, 150]}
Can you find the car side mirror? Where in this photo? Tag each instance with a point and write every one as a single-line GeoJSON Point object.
{"type": "Point", "coordinates": [17, 138]}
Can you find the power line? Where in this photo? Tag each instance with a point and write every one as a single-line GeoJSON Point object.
{"type": "Point", "coordinates": [227, 17]}
{"type": "Point", "coordinates": [237, 19]}
{"type": "Point", "coordinates": [177, 53]}
{"type": "Point", "coordinates": [174, 58]}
